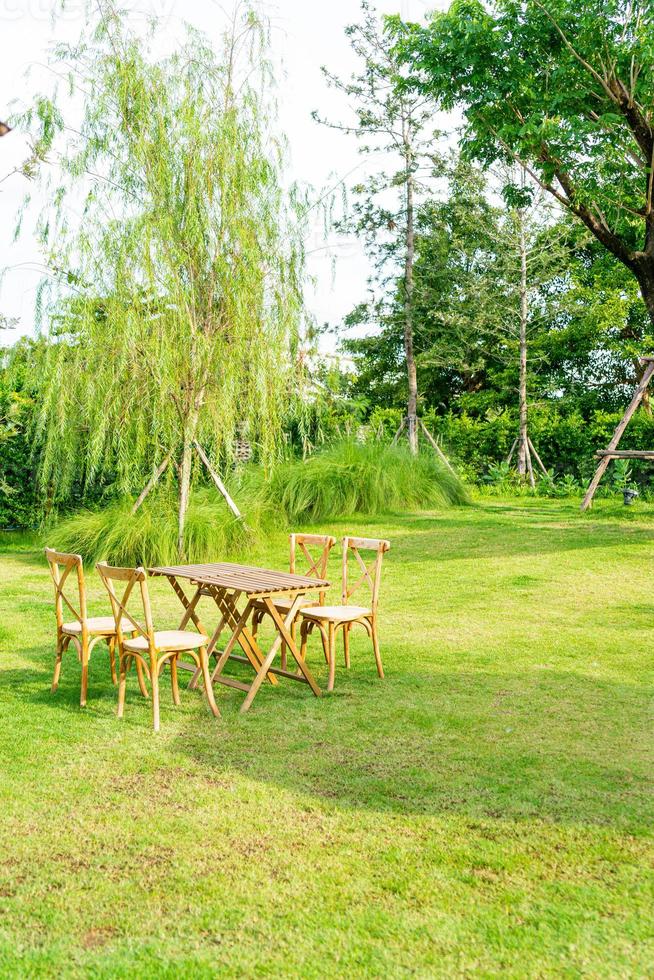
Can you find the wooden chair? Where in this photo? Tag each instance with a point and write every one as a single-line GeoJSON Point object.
{"type": "Point", "coordinates": [329, 619]}
{"type": "Point", "coordinates": [314, 548]}
{"type": "Point", "coordinates": [151, 649]}
{"type": "Point", "coordinates": [84, 631]}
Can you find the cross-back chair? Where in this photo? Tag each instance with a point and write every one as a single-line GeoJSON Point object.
{"type": "Point", "coordinates": [311, 553]}
{"type": "Point", "coordinates": [150, 648]}
{"type": "Point", "coordinates": [329, 619]}
{"type": "Point", "coordinates": [82, 630]}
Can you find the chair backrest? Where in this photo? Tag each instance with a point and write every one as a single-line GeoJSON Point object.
{"type": "Point", "coordinates": [61, 566]}
{"type": "Point", "coordinates": [314, 548]}
{"type": "Point", "coordinates": [127, 579]}
{"type": "Point", "coordinates": [365, 573]}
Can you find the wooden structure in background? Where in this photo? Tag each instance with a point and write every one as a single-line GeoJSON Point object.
{"type": "Point", "coordinates": [529, 451]}
{"type": "Point", "coordinates": [612, 451]}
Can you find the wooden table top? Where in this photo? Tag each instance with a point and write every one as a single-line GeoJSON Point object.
{"type": "Point", "coordinates": [243, 578]}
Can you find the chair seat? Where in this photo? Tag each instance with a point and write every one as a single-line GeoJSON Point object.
{"type": "Point", "coordinates": [282, 603]}
{"type": "Point", "coordinates": [168, 640]}
{"type": "Point", "coordinates": [338, 614]}
{"type": "Point", "coordinates": [98, 625]}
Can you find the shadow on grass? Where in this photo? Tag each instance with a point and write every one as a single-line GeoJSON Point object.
{"type": "Point", "coordinates": [541, 744]}
{"type": "Point", "coordinates": [483, 745]}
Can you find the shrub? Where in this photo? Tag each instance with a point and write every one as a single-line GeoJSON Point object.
{"type": "Point", "coordinates": [367, 478]}
{"type": "Point", "coordinates": [565, 442]}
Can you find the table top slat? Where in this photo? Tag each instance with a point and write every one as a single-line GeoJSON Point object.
{"type": "Point", "coordinates": [246, 578]}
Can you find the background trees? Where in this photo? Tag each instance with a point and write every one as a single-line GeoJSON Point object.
{"type": "Point", "coordinates": [564, 89]}
{"type": "Point", "coordinates": [392, 119]}
{"type": "Point", "coordinates": [177, 299]}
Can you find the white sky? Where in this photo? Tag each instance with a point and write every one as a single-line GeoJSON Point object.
{"type": "Point", "coordinates": [306, 34]}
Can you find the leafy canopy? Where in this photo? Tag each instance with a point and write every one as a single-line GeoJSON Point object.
{"type": "Point", "coordinates": [177, 294]}
{"type": "Point", "coordinates": [563, 86]}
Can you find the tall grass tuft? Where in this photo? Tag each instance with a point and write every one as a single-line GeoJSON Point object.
{"type": "Point", "coordinates": [365, 478]}
{"type": "Point", "coordinates": [346, 479]}
{"type": "Point", "coordinates": [149, 537]}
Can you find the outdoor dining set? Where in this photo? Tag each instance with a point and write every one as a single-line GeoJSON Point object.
{"type": "Point", "coordinates": [242, 596]}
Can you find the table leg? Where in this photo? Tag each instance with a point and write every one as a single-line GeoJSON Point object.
{"type": "Point", "coordinates": [211, 646]}
{"type": "Point", "coordinates": [233, 640]}
{"type": "Point", "coordinates": [241, 634]}
{"type": "Point", "coordinates": [189, 614]}
{"type": "Point", "coordinates": [189, 605]}
{"type": "Point", "coordinates": [282, 634]}
{"type": "Point", "coordinates": [285, 628]}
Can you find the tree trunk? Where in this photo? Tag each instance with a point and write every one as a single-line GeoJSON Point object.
{"type": "Point", "coordinates": [190, 426]}
{"type": "Point", "coordinates": [645, 276]}
{"type": "Point", "coordinates": [523, 435]}
{"type": "Point", "coordinates": [412, 406]}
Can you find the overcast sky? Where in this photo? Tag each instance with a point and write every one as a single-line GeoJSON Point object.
{"type": "Point", "coordinates": [305, 35]}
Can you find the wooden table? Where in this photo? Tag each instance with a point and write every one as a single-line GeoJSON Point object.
{"type": "Point", "coordinates": [230, 586]}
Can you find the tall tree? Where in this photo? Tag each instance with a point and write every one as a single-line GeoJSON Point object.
{"type": "Point", "coordinates": [194, 246]}
{"type": "Point", "coordinates": [564, 89]}
{"type": "Point", "coordinates": [392, 119]}
{"type": "Point", "coordinates": [531, 255]}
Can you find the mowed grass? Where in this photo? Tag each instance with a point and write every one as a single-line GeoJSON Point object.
{"type": "Point", "coordinates": [487, 809]}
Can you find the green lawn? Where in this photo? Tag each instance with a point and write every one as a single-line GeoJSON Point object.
{"type": "Point", "coordinates": [487, 809]}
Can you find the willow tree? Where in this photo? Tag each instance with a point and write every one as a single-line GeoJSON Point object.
{"type": "Point", "coordinates": [177, 260]}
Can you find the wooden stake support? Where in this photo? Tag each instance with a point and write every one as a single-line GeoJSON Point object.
{"type": "Point", "coordinates": [612, 452]}
{"type": "Point", "coordinates": [156, 476]}
{"type": "Point", "coordinates": [216, 479]}
{"type": "Point", "coordinates": [429, 437]}
{"type": "Point", "coordinates": [529, 452]}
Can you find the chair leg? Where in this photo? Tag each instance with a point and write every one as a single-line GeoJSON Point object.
{"type": "Point", "coordinates": [57, 669]}
{"type": "Point", "coordinates": [208, 687]}
{"type": "Point", "coordinates": [325, 643]}
{"type": "Point", "coordinates": [346, 645]}
{"type": "Point", "coordinates": [85, 674]}
{"type": "Point", "coordinates": [257, 616]}
{"type": "Point", "coordinates": [111, 643]}
{"type": "Point", "coordinates": [173, 680]}
{"type": "Point", "coordinates": [303, 640]}
{"type": "Point", "coordinates": [154, 683]}
{"type": "Point", "coordinates": [331, 640]}
{"type": "Point", "coordinates": [124, 665]}
{"type": "Point", "coordinates": [141, 677]}
{"type": "Point", "coordinates": [375, 646]}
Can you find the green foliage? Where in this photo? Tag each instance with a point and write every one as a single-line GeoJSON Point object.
{"type": "Point", "coordinates": [17, 491]}
{"type": "Point", "coordinates": [565, 442]}
{"type": "Point", "coordinates": [347, 478]}
{"type": "Point", "coordinates": [366, 478]}
{"type": "Point", "coordinates": [18, 506]}
{"type": "Point", "coordinates": [564, 87]}
{"type": "Point", "coordinates": [587, 321]}
{"type": "Point", "coordinates": [149, 537]}
{"type": "Point", "coordinates": [177, 311]}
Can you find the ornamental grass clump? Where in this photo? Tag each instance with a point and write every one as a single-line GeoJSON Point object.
{"type": "Point", "coordinates": [149, 537]}
{"type": "Point", "coordinates": [365, 478]}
